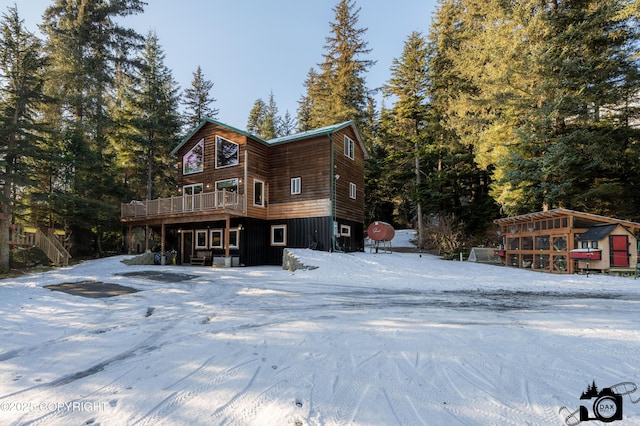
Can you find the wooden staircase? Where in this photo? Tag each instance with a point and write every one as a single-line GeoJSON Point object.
{"type": "Point", "coordinates": [30, 236]}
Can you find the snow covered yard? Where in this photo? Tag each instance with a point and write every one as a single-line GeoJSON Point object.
{"type": "Point", "coordinates": [368, 339]}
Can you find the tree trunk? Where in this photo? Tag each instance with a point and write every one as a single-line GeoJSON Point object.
{"type": "Point", "coordinates": [419, 204]}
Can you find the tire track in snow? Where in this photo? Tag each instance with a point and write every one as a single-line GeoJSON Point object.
{"type": "Point", "coordinates": [191, 389]}
{"type": "Point", "coordinates": [245, 406]}
{"type": "Point", "coordinates": [31, 393]}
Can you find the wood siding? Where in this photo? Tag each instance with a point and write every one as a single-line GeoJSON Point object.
{"type": "Point", "coordinates": [300, 209]}
{"type": "Point", "coordinates": [350, 171]}
{"type": "Point", "coordinates": [211, 174]}
{"type": "Point", "coordinates": [307, 160]}
{"type": "Point", "coordinates": [309, 216]}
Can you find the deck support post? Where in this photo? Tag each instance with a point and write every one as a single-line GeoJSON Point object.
{"type": "Point", "coordinates": [227, 251]}
{"type": "Point", "coordinates": [162, 253]}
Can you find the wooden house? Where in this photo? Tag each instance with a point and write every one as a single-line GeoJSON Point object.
{"type": "Point", "coordinates": [568, 241]}
{"type": "Point", "coordinates": [241, 199]}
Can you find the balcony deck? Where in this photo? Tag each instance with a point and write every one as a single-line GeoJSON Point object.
{"type": "Point", "coordinates": [217, 202]}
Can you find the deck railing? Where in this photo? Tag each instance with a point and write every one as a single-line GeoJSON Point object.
{"type": "Point", "coordinates": [203, 202]}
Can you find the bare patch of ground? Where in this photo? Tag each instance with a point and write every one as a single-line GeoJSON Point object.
{"type": "Point", "coordinates": [92, 289]}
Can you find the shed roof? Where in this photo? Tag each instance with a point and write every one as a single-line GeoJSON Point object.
{"type": "Point", "coordinates": [327, 130]}
{"type": "Point", "coordinates": [581, 219]}
{"type": "Point", "coordinates": [598, 232]}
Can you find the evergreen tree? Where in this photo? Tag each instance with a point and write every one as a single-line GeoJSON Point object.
{"type": "Point", "coordinates": [21, 92]}
{"type": "Point", "coordinates": [526, 85]}
{"type": "Point", "coordinates": [305, 103]}
{"type": "Point", "coordinates": [338, 92]}
{"type": "Point", "coordinates": [409, 83]}
{"type": "Point", "coordinates": [287, 125]}
{"type": "Point", "coordinates": [255, 122]}
{"type": "Point", "coordinates": [197, 100]}
{"type": "Point", "coordinates": [456, 185]}
{"type": "Point", "coordinates": [264, 120]}
{"type": "Point", "coordinates": [85, 43]}
{"type": "Point", "coordinates": [155, 121]}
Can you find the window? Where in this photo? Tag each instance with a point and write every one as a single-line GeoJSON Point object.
{"type": "Point", "coordinates": [201, 239]}
{"type": "Point", "coordinates": [216, 238]}
{"type": "Point", "coordinates": [345, 230]}
{"type": "Point", "coordinates": [194, 189]}
{"type": "Point", "coordinates": [349, 147]}
{"type": "Point", "coordinates": [296, 185]}
{"type": "Point", "coordinates": [279, 235]}
{"type": "Point", "coordinates": [231, 188]}
{"type": "Point", "coordinates": [193, 161]}
{"type": "Point", "coordinates": [353, 190]}
{"type": "Point", "coordinates": [189, 202]}
{"type": "Point", "coordinates": [234, 238]}
{"type": "Point", "coordinates": [258, 193]}
{"type": "Point", "coordinates": [230, 185]}
{"type": "Point", "coordinates": [227, 153]}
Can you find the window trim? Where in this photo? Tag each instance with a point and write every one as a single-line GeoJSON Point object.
{"type": "Point", "coordinates": [345, 230]}
{"type": "Point", "coordinates": [296, 185]}
{"type": "Point", "coordinates": [211, 239]}
{"type": "Point", "coordinates": [284, 235]}
{"type": "Point", "coordinates": [237, 244]}
{"type": "Point", "coordinates": [196, 239]}
{"type": "Point", "coordinates": [349, 147]}
{"type": "Point", "coordinates": [262, 191]}
{"type": "Point", "coordinates": [220, 139]}
{"type": "Point", "coordinates": [353, 191]}
{"type": "Point", "coordinates": [193, 186]}
{"type": "Point", "coordinates": [199, 162]}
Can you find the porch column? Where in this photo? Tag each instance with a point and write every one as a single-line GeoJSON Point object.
{"type": "Point", "coordinates": [130, 250]}
{"type": "Point", "coordinates": [227, 252]}
{"type": "Point", "coordinates": [147, 232]}
{"type": "Point", "coordinates": [162, 253]}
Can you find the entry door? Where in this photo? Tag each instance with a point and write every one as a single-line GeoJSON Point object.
{"type": "Point", "coordinates": [187, 246]}
{"type": "Point", "coordinates": [619, 250]}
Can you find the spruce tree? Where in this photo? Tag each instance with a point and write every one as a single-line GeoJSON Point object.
{"type": "Point", "coordinates": [197, 100]}
{"type": "Point", "coordinates": [155, 121]}
{"type": "Point", "coordinates": [264, 120]}
{"type": "Point", "coordinates": [338, 92]}
{"type": "Point", "coordinates": [408, 84]}
{"type": "Point", "coordinates": [21, 91]}
{"type": "Point", "coordinates": [85, 42]}
{"type": "Point", "coordinates": [541, 94]}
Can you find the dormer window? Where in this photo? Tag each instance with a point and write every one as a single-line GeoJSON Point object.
{"type": "Point", "coordinates": [227, 153]}
{"type": "Point", "coordinates": [193, 161]}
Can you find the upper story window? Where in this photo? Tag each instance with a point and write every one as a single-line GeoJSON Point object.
{"type": "Point", "coordinates": [227, 153]}
{"type": "Point", "coordinates": [230, 185]}
{"type": "Point", "coordinates": [296, 185]}
{"type": "Point", "coordinates": [353, 190]}
{"type": "Point", "coordinates": [258, 193]}
{"type": "Point", "coordinates": [193, 161]}
{"type": "Point", "coordinates": [349, 147]}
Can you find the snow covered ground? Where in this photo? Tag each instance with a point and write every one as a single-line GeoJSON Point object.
{"type": "Point", "coordinates": [366, 339]}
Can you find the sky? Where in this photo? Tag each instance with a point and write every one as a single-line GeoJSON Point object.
{"type": "Point", "coordinates": [249, 49]}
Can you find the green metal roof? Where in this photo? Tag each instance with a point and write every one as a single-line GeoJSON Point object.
{"type": "Point", "coordinates": [328, 130]}
{"type": "Point", "coordinates": [212, 121]}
